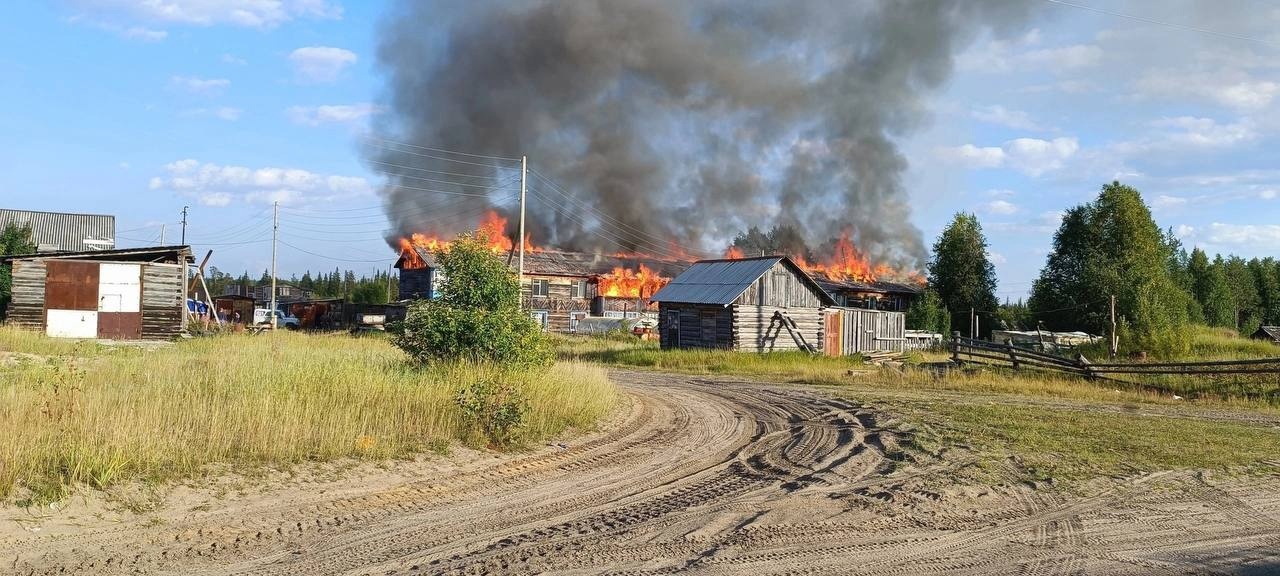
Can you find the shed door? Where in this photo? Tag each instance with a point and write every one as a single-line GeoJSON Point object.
{"type": "Point", "coordinates": [673, 328]}
{"type": "Point", "coordinates": [709, 329]}
{"type": "Point", "coordinates": [833, 334]}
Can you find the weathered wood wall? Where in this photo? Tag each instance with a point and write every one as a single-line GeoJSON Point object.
{"type": "Point", "coordinates": [695, 326]}
{"type": "Point", "coordinates": [163, 286]}
{"type": "Point", "coordinates": [26, 308]}
{"type": "Point", "coordinates": [780, 287]}
{"type": "Point", "coordinates": [757, 330]}
{"type": "Point", "coordinates": [415, 283]}
{"type": "Point", "coordinates": [871, 330]}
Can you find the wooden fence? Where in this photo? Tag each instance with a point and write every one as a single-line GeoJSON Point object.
{"type": "Point", "coordinates": [969, 350]}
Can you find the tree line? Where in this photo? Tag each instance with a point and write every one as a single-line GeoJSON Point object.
{"type": "Point", "coordinates": [1108, 247]}
{"type": "Point", "coordinates": [337, 284]}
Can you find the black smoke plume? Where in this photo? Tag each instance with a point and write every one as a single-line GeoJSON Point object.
{"type": "Point", "coordinates": [671, 124]}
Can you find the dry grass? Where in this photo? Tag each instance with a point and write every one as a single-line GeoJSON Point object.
{"type": "Point", "coordinates": [96, 415]}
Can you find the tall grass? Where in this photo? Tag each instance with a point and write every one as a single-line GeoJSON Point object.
{"type": "Point", "coordinates": [96, 416]}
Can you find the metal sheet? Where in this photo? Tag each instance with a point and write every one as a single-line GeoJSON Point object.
{"type": "Point", "coordinates": [120, 288]}
{"type": "Point", "coordinates": [120, 325]}
{"type": "Point", "coordinates": [57, 232]}
{"type": "Point", "coordinates": [715, 281]}
{"type": "Point", "coordinates": [71, 285]}
{"type": "Point", "coordinates": [71, 323]}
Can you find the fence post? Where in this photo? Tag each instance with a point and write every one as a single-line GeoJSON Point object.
{"type": "Point", "coordinates": [955, 346]}
{"type": "Point", "coordinates": [1008, 342]}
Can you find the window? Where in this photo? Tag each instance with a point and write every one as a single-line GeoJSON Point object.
{"type": "Point", "coordinates": [579, 289]}
{"type": "Point", "coordinates": [613, 314]}
{"type": "Point", "coordinates": [540, 287]}
{"type": "Point", "coordinates": [539, 316]}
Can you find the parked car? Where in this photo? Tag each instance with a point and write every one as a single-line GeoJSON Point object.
{"type": "Point", "coordinates": [262, 316]}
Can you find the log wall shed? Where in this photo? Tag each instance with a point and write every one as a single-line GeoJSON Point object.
{"type": "Point", "coordinates": [751, 305]}
{"type": "Point", "coordinates": [130, 294]}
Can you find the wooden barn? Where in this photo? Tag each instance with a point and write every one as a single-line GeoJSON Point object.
{"type": "Point", "coordinates": [750, 304]}
{"type": "Point", "coordinates": [767, 304]}
{"type": "Point", "coordinates": [128, 294]}
{"type": "Point", "coordinates": [561, 288]}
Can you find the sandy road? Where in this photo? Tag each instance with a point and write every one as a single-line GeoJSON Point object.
{"type": "Point", "coordinates": [706, 476]}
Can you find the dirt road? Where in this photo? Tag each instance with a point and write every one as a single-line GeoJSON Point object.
{"type": "Point", "coordinates": [706, 476]}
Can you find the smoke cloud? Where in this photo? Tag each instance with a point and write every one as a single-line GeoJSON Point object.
{"type": "Point", "coordinates": [670, 124]}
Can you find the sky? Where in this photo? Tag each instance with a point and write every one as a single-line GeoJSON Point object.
{"type": "Point", "coordinates": [140, 107]}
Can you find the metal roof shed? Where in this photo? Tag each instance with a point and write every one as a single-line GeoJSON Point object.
{"type": "Point", "coordinates": [61, 232]}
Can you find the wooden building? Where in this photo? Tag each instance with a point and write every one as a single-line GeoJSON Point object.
{"type": "Point", "coordinates": [1267, 333]}
{"type": "Point", "coordinates": [229, 305]}
{"type": "Point", "coordinates": [560, 288]}
{"type": "Point", "coordinates": [128, 294]}
{"type": "Point", "coordinates": [751, 304]}
{"type": "Point", "coordinates": [879, 295]}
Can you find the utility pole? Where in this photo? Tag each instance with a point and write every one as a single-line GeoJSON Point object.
{"type": "Point", "coordinates": [524, 165]}
{"type": "Point", "coordinates": [389, 285]}
{"type": "Point", "coordinates": [275, 234]}
{"type": "Point", "coordinates": [1114, 344]}
{"type": "Point", "coordinates": [184, 226]}
{"type": "Point", "coordinates": [973, 324]}
{"type": "Point", "coordinates": [162, 234]}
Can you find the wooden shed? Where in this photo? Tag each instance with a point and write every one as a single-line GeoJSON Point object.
{"type": "Point", "coordinates": [129, 294]}
{"type": "Point", "coordinates": [750, 304]}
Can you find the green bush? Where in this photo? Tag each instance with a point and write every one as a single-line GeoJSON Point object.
{"type": "Point", "coordinates": [477, 317]}
{"type": "Point", "coordinates": [495, 406]}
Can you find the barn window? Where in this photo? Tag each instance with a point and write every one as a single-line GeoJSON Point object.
{"type": "Point", "coordinates": [540, 287]}
{"type": "Point", "coordinates": [539, 316]}
{"type": "Point", "coordinates": [579, 289]}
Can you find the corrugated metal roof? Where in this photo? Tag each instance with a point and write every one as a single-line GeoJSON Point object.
{"type": "Point", "coordinates": [722, 281]}
{"type": "Point", "coordinates": [58, 232]}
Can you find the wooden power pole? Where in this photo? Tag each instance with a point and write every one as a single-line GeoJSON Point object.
{"type": "Point", "coordinates": [524, 164]}
{"type": "Point", "coordinates": [275, 234]}
{"type": "Point", "coordinates": [1114, 344]}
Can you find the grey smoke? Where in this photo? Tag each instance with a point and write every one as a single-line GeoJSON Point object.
{"type": "Point", "coordinates": [683, 123]}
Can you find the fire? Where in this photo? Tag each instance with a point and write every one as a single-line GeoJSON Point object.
{"type": "Point", "coordinates": [733, 253]}
{"type": "Point", "coordinates": [628, 283]}
{"type": "Point", "coordinates": [492, 230]}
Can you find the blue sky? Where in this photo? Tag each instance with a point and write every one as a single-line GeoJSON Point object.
{"type": "Point", "coordinates": [139, 108]}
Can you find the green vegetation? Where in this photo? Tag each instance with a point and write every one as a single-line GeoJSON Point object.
{"type": "Point", "coordinates": [929, 313]}
{"type": "Point", "coordinates": [477, 317]}
{"type": "Point", "coordinates": [13, 240]}
{"type": "Point", "coordinates": [79, 413]}
{"type": "Point", "coordinates": [1080, 443]}
{"type": "Point", "coordinates": [1112, 246]}
{"type": "Point", "coordinates": [960, 272]}
{"type": "Point", "coordinates": [786, 366]}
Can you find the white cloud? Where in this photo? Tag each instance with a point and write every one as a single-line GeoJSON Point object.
{"type": "Point", "coordinates": [1165, 202]}
{"type": "Point", "coordinates": [1002, 116]}
{"type": "Point", "coordinates": [197, 85]}
{"type": "Point", "coordinates": [1000, 193]}
{"type": "Point", "coordinates": [326, 114]}
{"type": "Point", "coordinates": [247, 13]}
{"type": "Point", "coordinates": [973, 156]}
{"type": "Point", "coordinates": [999, 208]}
{"type": "Point", "coordinates": [1233, 89]}
{"type": "Point", "coordinates": [233, 60]}
{"type": "Point", "coordinates": [216, 199]}
{"type": "Point", "coordinates": [217, 185]}
{"type": "Point", "coordinates": [1030, 156]}
{"type": "Point", "coordinates": [996, 258]}
{"type": "Point", "coordinates": [1254, 237]}
{"type": "Point", "coordinates": [321, 63]}
{"type": "Point", "coordinates": [222, 113]}
{"type": "Point", "coordinates": [1042, 223]}
{"type": "Point", "coordinates": [1034, 157]}
{"type": "Point", "coordinates": [1189, 134]}
{"type": "Point", "coordinates": [1022, 53]}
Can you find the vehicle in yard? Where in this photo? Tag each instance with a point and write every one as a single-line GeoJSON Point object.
{"type": "Point", "coordinates": [262, 316]}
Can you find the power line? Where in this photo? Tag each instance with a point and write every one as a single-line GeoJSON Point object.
{"type": "Point", "coordinates": [447, 159]}
{"type": "Point", "coordinates": [442, 150]}
{"type": "Point", "coordinates": [443, 172]}
{"type": "Point", "coordinates": [1165, 23]}
{"type": "Point", "coordinates": [434, 181]}
{"type": "Point", "coordinates": [332, 257]}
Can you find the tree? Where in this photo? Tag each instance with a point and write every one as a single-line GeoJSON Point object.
{"type": "Point", "coordinates": [13, 240]}
{"type": "Point", "coordinates": [1266, 276]}
{"type": "Point", "coordinates": [960, 272]}
{"type": "Point", "coordinates": [928, 313]}
{"type": "Point", "coordinates": [369, 292]}
{"type": "Point", "coordinates": [1247, 304]}
{"type": "Point", "coordinates": [1112, 247]}
{"type": "Point", "coordinates": [782, 239]}
{"type": "Point", "coordinates": [1212, 290]}
{"type": "Point", "coordinates": [477, 316]}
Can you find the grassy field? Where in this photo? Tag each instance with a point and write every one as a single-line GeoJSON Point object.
{"type": "Point", "coordinates": [74, 413]}
{"type": "Point", "coordinates": [1055, 426]}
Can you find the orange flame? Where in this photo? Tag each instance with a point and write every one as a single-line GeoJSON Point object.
{"type": "Point", "coordinates": [733, 253]}
{"type": "Point", "coordinates": [848, 263]}
{"type": "Point", "coordinates": [628, 283]}
{"type": "Point", "coordinates": [492, 230]}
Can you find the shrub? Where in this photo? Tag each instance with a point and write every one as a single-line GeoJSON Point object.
{"type": "Point", "coordinates": [477, 317]}
{"type": "Point", "coordinates": [495, 406]}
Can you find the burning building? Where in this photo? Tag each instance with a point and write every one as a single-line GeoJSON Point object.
{"type": "Point", "coordinates": [559, 288]}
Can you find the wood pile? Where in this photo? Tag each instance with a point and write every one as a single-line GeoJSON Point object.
{"type": "Point", "coordinates": [883, 356]}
